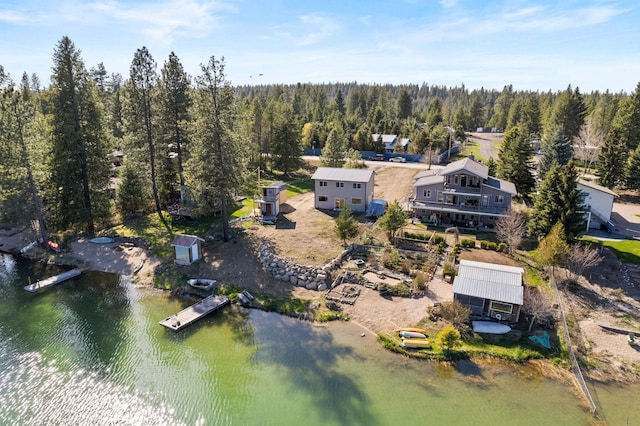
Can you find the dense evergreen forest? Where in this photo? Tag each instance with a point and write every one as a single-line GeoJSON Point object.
{"type": "Point", "coordinates": [164, 137]}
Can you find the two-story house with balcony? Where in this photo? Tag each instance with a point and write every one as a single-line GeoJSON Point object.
{"type": "Point", "coordinates": [339, 188]}
{"type": "Point", "coordinates": [461, 194]}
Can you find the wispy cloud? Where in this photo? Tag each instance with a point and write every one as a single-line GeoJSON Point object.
{"type": "Point", "coordinates": [321, 27]}
{"type": "Point", "coordinates": [448, 3]}
{"type": "Point", "coordinates": [162, 21]}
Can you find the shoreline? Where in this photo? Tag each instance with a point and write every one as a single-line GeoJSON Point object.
{"type": "Point", "coordinates": [365, 315]}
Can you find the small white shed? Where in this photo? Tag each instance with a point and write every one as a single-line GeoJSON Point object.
{"type": "Point", "coordinates": [188, 249]}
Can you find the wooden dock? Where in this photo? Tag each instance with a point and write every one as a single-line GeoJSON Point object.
{"type": "Point", "coordinates": [32, 288]}
{"type": "Point", "coordinates": [194, 312]}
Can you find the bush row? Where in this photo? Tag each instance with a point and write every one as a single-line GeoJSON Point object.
{"type": "Point", "coordinates": [490, 245]}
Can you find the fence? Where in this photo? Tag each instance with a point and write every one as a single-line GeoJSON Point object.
{"type": "Point", "coordinates": [572, 356]}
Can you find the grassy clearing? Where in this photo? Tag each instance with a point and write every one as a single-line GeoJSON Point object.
{"type": "Point", "coordinates": [299, 187]}
{"type": "Point", "coordinates": [470, 148]}
{"type": "Point", "coordinates": [627, 251]}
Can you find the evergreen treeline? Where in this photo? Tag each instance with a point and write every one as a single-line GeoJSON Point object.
{"type": "Point", "coordinates": [198, 140]}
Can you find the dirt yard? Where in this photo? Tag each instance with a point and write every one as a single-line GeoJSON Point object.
{"type": "Point", "coordinates": [306, 236]}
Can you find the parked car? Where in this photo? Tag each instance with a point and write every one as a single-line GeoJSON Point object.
{"type": "Point", "coordinates": [398, 160]}
{"type": "Point", "coordinates": [377, 157]}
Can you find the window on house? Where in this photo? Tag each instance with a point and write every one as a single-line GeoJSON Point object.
{"type": "Point", "coordinates": [356, 201]}
{"type": "Point", "coordinates": [339, 184]}
{"type": "Point", "coordinates": [439, 195]}
{"type": "Point", "coordinates": [426, 193]}
{"type": "Point", "coordinates": [323, 183]}
{"type": "Point", "coordinates": [499, 199]}
{"type": "Point", "coordinates": [507, 308]}
{"type": "Point", "coordinates": [455, 179]}
{"type": "Point", "coordinates": [322, 198]}
{"type": "Point", "coordinates": [357, 185]}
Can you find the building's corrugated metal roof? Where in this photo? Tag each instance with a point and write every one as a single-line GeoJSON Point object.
{"type": "Point", "coordinates": [468, 165]}
{"type": "Point", "coordinates": [491, 272]}
{"type": "Point", "coordinates": [490, 281]}
{"type": "Point", "coordinates": [276, 185]}
{"type": "Point", "coordinates": [339, 174]}
{"type": "Point", "coordinates": [502, 185]}
{"type": "Point", "coordinates": [428, 180]}
{"type": "Point", "coordinates": [183, 240]}
{"type": "Point", "coordinates": [488, 290]}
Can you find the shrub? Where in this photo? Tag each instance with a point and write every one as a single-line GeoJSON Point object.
{"type": "Point", "coordinates": [483, 244]}
{"type": "Point", "coordinates": [420, 281]}
{"type": "Point", "coordinates": [438, 239]}
{"type": "Point", "coordinates": [456, 313]}
{"type": "Point", "coordinates": [456, 250]}
{"type": "Point", "coordinates": [448, 338]}
{"type": "Point", "coordinates": [468, 243]}
{"type": "Point", "coordinates": [502, 247]}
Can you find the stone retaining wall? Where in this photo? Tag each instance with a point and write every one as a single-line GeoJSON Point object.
{"type": "Point", "coordinates": [310, 277]}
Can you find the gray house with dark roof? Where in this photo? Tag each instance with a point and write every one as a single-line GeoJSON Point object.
{"type": "Point", "coordinates": [461, 194]}
{"type": "Point", "coordinates": [490, 290]}
{"type": "Point", "coordinates": [337, 188]}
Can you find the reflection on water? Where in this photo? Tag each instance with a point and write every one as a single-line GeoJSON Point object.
{"type": "Point", "coordinates": [90, 351]}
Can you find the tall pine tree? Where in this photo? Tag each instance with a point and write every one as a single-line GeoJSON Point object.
{"type": "Point", "coordinates": [217, 165]}
{"type": "Point", "coordinates": [514, 161]}
{"type": "Point", "coordinates": [611, 160]}
{"type": "Point", "coordinates": [174, 118]}
{"type": "Point", "coordinates": [285, 148]}
{"type": "Point", "coordinates": [632, 171]}
{"type": "Point", "coordinates": [79, 160]}
{"type": "Point", "coordinates": [558, 201]}
{"type": "Point", "coordinates": [556, 149]}
{"type": "Point", "coordinates": [335, 150]}
{"type": "Point", "coordinates": [142, 120]}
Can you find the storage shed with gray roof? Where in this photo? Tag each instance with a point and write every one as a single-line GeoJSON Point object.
{"type": "Point", "coordinates": [490, 290]}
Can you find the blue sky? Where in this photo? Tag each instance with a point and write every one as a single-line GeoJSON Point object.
{"type": "Point", "coordinates": [533, 45]}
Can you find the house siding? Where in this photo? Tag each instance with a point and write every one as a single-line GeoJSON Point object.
{"type": "Point", "coordinates": [466, 198]}
{"type": "Point", "coordinates": [326, 196]}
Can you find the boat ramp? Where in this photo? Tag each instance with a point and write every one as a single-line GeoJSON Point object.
{"type": "Point", "coordinates": [194, 312]}
{"type": "Point", "coordinates": [32, 288]}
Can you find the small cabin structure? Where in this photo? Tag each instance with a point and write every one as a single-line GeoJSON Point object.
{"type": "Point", "coordinates": [490, 290]}
{"type": "Point", "coordinates": [188, 249]}
{"type": "Point", "coordinates": [272, 197]}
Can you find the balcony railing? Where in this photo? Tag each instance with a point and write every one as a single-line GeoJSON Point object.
{"type": "Point", "coordinates": [454, 208]}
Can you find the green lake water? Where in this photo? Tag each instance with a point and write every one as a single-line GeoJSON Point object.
{"type": "Point", "coordinates": [91, 351]}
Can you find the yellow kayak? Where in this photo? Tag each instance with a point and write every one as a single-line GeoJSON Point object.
{"type": "Point", "coordinates": [412, 330]}
{"type": "Point", "coordinates": [415, 343]}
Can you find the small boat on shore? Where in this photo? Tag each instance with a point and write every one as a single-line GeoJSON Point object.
{"type": "Point", "coordinates": [412, 330]}
{"type": "Point", "coordinates": [201, 283]}
{"type": "Point", "coordinates": [490, 327]}
{"type": "Point", "coordinates": [245, 297]}
{"type": "Point", "coordinates": [137, 268]}
{"type": "Point", "coordinates": [415, 343]}
{"type": "Point", "coordinates": [413, 334]}
{"type": "Point", "coordinates": [101, 240]}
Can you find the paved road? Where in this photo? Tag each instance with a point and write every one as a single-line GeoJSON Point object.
{"type": "Point", "coordinates": [377, 165]}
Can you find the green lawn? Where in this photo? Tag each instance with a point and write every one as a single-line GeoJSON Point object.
{"type": "Point", "coordinates": [627, 251]}
{"type": "Point", "coordinates": [299, 187]}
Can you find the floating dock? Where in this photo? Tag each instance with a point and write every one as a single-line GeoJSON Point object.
{"type": "Point", "coordinates": [32, 288]}
{"type": "Point", "coordinates": [194, 312]}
